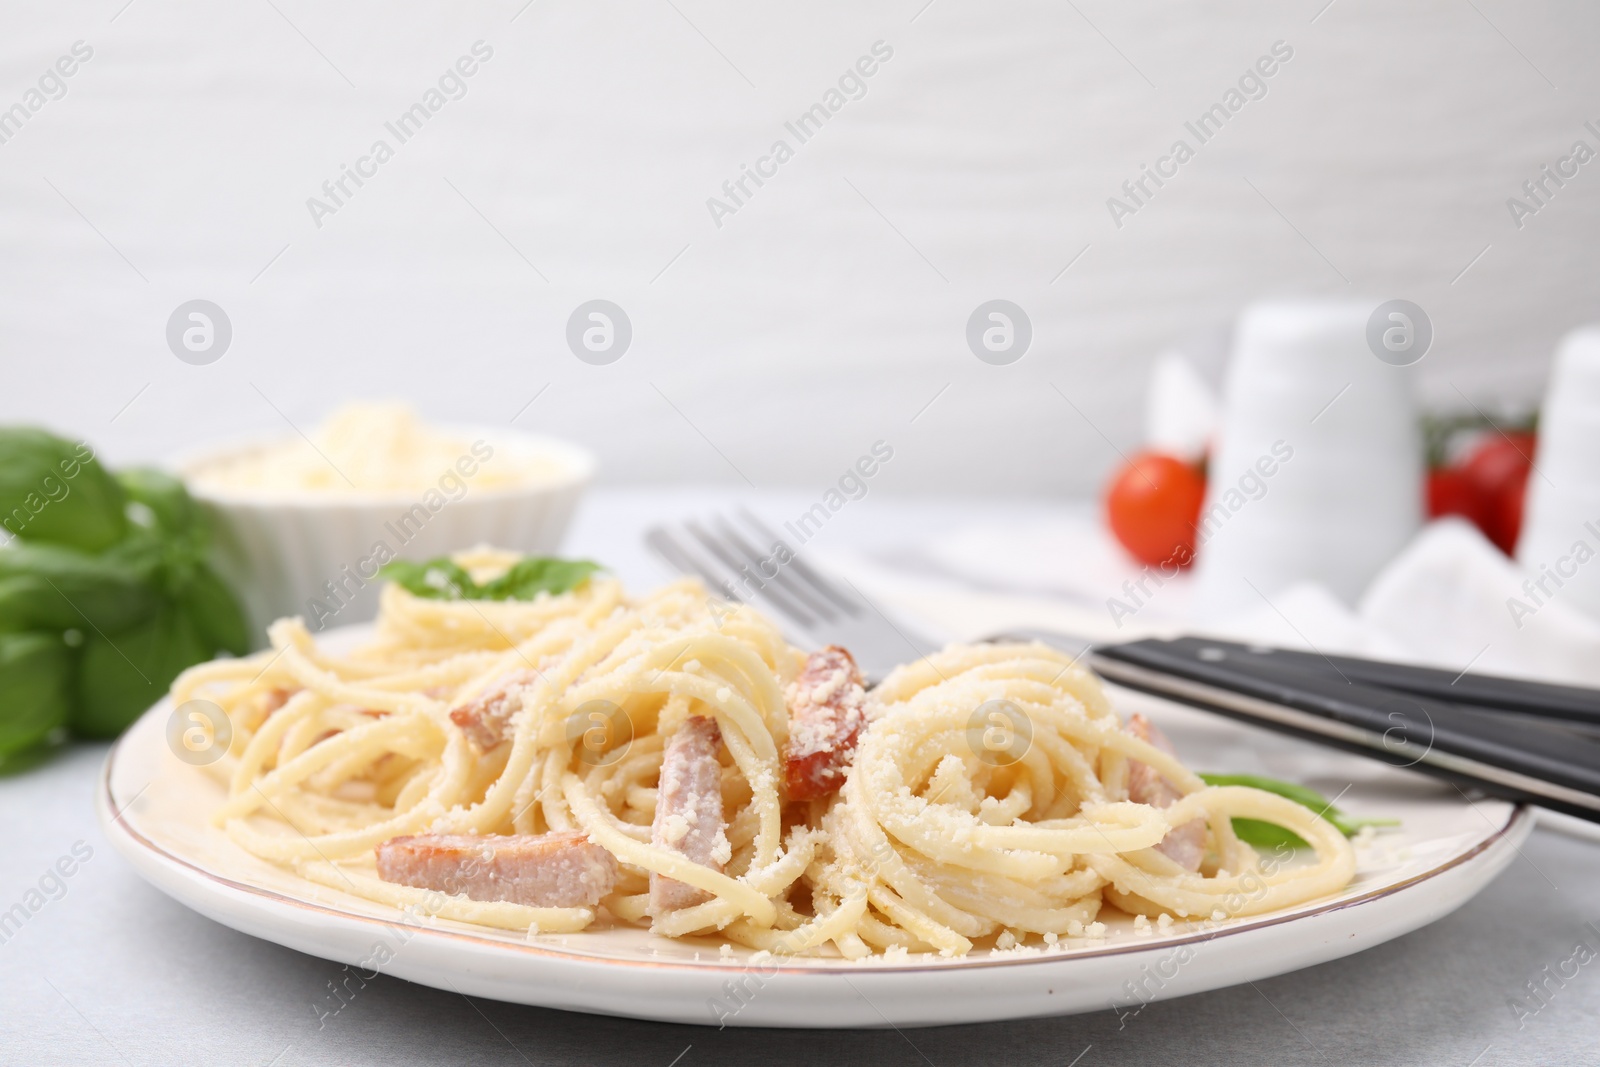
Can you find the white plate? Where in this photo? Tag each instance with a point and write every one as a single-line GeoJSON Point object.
{"type": "Point", "coordinates": [155, 810]}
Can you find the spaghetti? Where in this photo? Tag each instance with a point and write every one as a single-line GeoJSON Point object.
{"type": "Point", "coordinates": [987, 801]}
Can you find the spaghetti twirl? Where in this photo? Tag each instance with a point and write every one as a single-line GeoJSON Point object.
{"type": "Point", "coordinates": [937, 840]}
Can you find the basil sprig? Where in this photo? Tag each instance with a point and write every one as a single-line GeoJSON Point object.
{"type": "Point", "coordinates": [1270, 835]}
{"type": "Point", "coordinates": [445, 579]}
{"type": "Point", "coordinates": [106, 593]}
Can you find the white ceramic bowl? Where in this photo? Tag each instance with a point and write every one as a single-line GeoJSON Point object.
{"type": "Point", "coordinates": [315, 554]}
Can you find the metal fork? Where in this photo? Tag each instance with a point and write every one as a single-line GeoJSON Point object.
{"type": "Point", "coordinates": [755, 565]}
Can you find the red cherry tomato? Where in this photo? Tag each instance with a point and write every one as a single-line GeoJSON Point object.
{"type": "Point", "coordinates": [1449, 494]}
{"type": "Point", "coordinates": [1496, 472]}
{"type": "Point", "coordinates": [1153, 504]}
{"type": "Point", "coordinates": [1506, 522]}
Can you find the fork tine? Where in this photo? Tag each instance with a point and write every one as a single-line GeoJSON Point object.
{"type": "Point", "coordinates": [777, 600]}
{"type": "Point", "coordinates": [678, 555]}
{"type": "Point", "coordinates": [780, 579]}
{"type": "Point", "coordinates": [850, 603]}
{"type": "Point", "coordinates": [878, 643]}
{"type": "Point", "coordinates": [680, 558]}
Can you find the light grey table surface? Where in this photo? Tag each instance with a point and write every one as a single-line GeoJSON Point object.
{"type": "Point", "coordinates": [111, 971]}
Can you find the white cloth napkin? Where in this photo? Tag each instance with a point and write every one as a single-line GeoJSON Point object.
{"type": "Point", "coordinates": [1449, 599]}
{"type": "Point", "coordinates": [1452, 599]}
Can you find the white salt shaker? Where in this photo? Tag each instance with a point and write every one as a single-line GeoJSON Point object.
{"type": "Point", "coordinates": [1560, 539]}
{"type": "Point", "coordinates": [1317, 474]}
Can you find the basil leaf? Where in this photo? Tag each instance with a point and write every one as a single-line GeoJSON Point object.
{"type": "Point", "coordinates": [171, 509]}
{"type": "Point", "coordinates": [52, 490]}
{"type": "Point", "coordinates": [35, 679]}
{"type": "Point", "coordinates": [1266, 834]}
{"type": "Point", "coordinates": [56, 588]}
{"type": "Point", "coordinates": [445, 579]}
{"type": "Point", "coordinates": [1306, 797]}
{"type": "Point", "coordinates": [437, 579]}
{"type": "Point", "coordinates": [1302, 795]}
{"type": "Point", "coordinates": [169, 539]}
{"type": "Point", "coordinates": [532, 575]}
{"type": "Point", "coordinates": [122, 674]}
{"type": "Point", "coordinates": [215, 612]}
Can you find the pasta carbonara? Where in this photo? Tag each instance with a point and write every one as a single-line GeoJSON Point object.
{"type": "Point", "coordinates": [672, 761]}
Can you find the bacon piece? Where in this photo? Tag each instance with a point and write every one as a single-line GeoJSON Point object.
{"type": "Point", "coordinates": [826, 713]}
{"type": "Point", "coordinates": [484, 718]}
{"type": "Point", "coordinates": [275, 698]}
{"type": "Point", "coordinates": [1186, 844]}
{"type": "Point", "coordinates": [688, 816]}
{"type": "Point", "coordinates": [562, 869]}
{"type": "Point", "coordinates": [266, 705]}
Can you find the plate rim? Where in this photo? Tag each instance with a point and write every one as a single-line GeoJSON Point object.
{"type": "Point", "coordinates": [1520, 816]}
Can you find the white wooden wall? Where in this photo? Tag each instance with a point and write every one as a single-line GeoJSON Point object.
{"type": "Point", "coordinates": [830, 308]}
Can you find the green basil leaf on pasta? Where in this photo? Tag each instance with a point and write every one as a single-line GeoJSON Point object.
{"type": "Point", "coordinates": [445, 579]}
{"type": "Point", "coordinates": [1305, 796]}
{"type": "Point", "coordinates": [1267, 834]}
{"type": "Point", "coordinates": [436, 579]}
{"type": "Point", "coordinates": [533, 575]}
